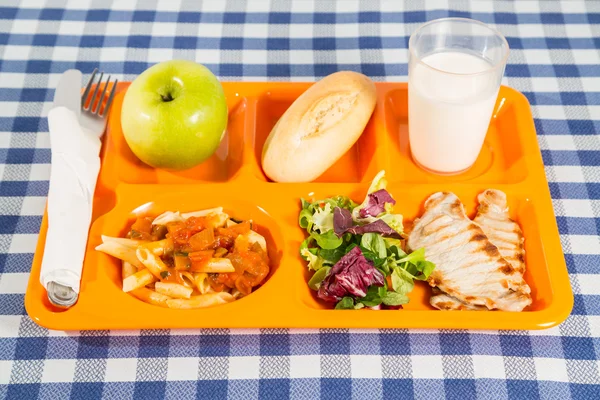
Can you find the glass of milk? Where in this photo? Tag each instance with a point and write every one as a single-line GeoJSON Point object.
{"type": "Point", "coordinates": [454, 74]}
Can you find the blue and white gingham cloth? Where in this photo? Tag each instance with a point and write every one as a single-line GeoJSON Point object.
{"type": "Point", "coordinates": [554, 61]}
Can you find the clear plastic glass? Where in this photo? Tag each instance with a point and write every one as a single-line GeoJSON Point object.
{"type": "Point", "coordinates": [454, 74]}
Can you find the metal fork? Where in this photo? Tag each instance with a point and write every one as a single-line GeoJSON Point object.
{"type": "Point", "coordinates": [94, 113]}
{"type": "Point", "coordinates": [94, 109]}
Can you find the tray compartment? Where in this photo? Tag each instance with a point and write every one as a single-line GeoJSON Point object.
{"type": "Point", "coordinates": [354, 166]}
{"type": "Point", "coordinates": [123, 166]}
{"type": "Point", "coordinates": [522, 209]}
{"type": "Point", "coordinates": [501, 159]}
{"type": "Point", "coordinates": [102, 282]}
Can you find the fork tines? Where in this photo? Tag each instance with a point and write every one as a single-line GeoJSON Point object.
{"type": "Point", "coordinates": [95, 103]}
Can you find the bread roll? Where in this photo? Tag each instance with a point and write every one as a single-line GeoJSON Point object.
{"type": "Point", "coordinates": [319, 127]}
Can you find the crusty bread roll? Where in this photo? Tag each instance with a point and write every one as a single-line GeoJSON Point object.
{"type": "Point", "coordinates": [319, 127]}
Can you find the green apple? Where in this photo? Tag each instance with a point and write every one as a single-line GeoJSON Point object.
{"type": "Point", "coordinates": [174, 115]}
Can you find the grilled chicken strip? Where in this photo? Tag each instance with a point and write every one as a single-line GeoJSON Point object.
{"type": "Point", "coordinates": [469, 267]}
{"type": "Point", "coordinates": [503, 232]}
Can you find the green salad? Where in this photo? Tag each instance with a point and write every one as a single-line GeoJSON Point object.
{"type": "Point", "coordinates": [357, 251]}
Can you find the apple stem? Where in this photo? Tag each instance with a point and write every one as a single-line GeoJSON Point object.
{"type": "Point", "coordinates": [166, 98]}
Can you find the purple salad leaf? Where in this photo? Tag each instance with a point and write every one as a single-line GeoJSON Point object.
{"type": "Point", "coordinates": [342, 220]}
{"type": "Point", "coordinates": [378, 226]}
{"type": "Point", "coordinates": [343, 223]}
{"type": "Point", "coordinates": [376, 203]}
{"type": "Point", "coordinates": [352, 275]}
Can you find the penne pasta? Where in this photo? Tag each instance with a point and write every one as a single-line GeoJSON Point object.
{"type": "Point", "coordinates": [160, 247]}
{"type": "Point", "coordinates": [188, 279]}
{"type": "Point", "coordinates": [243, 242]}
{"type": "Point", "coordinates": [174, 290]}
{"type": "Point", "coordinates": [168, 217]}
{"type": "Point", "coordinates": [134, 243]}
{"type": "Point", "coordinates": [217, 220]}
{"type": "Point", "coordinates": [201, 282]}
{"type": "Point", "coordinates": [186, 260]}
{"type": "Point", "coordinates": [138, 280]}
{"type": "Point", "coordinates": [121, 252]}
{"type": "Point", "coordinates": [127, 269]}
{"type": "Point", "coordinates": [255, 237]}
{"type": "Point", "coordinates": [217, 265]}
{"type": "Point", "coordinates": [150, 296]}
{"type": "Point", "coordinates": [154, 264]}
{"type": "Point", "coordinates": [201, 301]}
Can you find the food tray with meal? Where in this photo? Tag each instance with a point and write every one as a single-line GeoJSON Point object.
{"type": "Point", "coordinates": [259, 236]}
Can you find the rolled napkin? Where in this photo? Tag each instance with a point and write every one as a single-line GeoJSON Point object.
{"type": "Point", "coordinates": [73, 175]}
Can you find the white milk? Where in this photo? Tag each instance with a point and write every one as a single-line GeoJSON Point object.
{"type": "Point", "coordinates": [449, 113]}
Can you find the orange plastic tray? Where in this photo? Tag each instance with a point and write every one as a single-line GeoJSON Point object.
{"type": "Point", "coordinates": [510, 161]}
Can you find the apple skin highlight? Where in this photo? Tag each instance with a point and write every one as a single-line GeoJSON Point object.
{"type": "Point", "coordinates": [174, 115]}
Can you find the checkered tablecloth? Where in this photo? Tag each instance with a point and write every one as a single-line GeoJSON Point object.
{"type": "Point", "coordinates": [554, 61]}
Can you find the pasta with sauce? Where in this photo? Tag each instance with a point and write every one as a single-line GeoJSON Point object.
{"type": "Point", "coordinates": [190, 260]}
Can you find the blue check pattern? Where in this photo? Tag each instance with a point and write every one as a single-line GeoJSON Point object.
{"type": "Point", "coordinates": [555, 62]}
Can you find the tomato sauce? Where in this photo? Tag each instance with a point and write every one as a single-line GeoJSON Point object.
{"type": "Point", "coordinates": [195, 241]}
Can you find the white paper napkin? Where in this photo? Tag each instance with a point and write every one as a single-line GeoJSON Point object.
{"type": "Point", "coordinates": [74, 171]}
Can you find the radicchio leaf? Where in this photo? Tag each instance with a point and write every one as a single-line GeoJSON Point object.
{"type": "Point", "coordinates": [342, 220]}
{"type": "Point", "coordinates": [352, 275]}
{"type": "Point", "coordinates": [378, 226]}
{"type": "Point", "coordinates": [376, 203]}
{"type": "Point", "coordinates": [343, 223]}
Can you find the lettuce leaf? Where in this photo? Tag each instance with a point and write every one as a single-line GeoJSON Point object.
{"type": "Point", "coordinates": [394, 221]}
{"type": "Point", "coordinates": [305, 219]}
{"type": "Point", "coordinates": [332, 256]}
{"type": "Point", "coordinates": [378, 183]}
{"type": "Point", "coordinates": [328, 240]}
{"type": "Point", "coordinates": [416, 264]}
{"type": "Point", "coordinates": [394, 299]}
{"type": "Point", "coordinates": [374, 243]}
{"type": "Point", "coordinates": [314, 261]}
{"type": "Point", "coordinates": [373, 296]}
{"type": "Point", "coordinates": [402, 281]}
{"type": "Point", "coordinates": [322, 219]}
{"type": "Point", "coordinates": [315, 281]}
{"type": "Point", "coordinates": [346, 303]}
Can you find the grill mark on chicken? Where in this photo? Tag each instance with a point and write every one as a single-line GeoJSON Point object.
{"type": "Point", "coordinates": [503, 245]}
{"type": "Point", "coordinates": [490, 249]}
{"type": "Point", "coordinates": [456, 207]}
{"type": "Point", "coordinates": [492, 216]}
{"type": "Point", "coordinates": [444, 301]}
{"type": "Point", "coordinates": [434, 279]}
{"type": "Point", "coordinates": [507, 269]}
{"type": "Point", "coordinates": [478, 237]}
{"type": "Point", "coordinates": [470, 271]}
{"type": "Point", "coordinates": [444, 305]}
